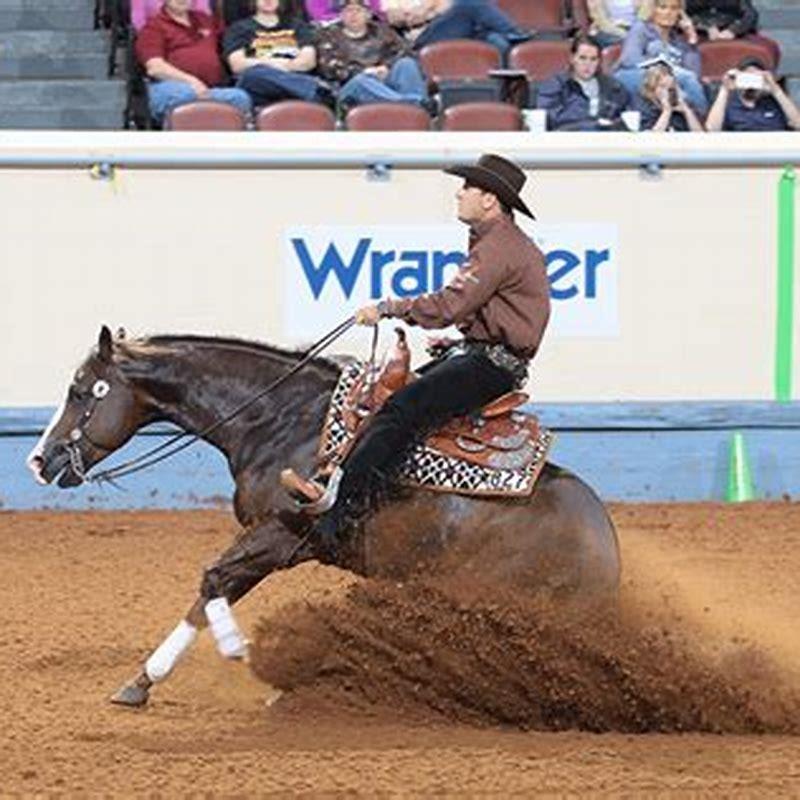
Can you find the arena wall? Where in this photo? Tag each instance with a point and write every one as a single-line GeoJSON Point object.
{"type": "Point", "coordinates": [662, 254]}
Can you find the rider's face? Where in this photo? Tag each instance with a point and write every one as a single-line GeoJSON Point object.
{"type": "Point", "coordinates": [471, 203]}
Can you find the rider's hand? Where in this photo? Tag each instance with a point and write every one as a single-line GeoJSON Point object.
{"type": "Point", "coordinates": [368, 315]}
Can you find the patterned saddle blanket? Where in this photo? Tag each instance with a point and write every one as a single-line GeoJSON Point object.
{"type": "Point", "coordinates": [499, 456]}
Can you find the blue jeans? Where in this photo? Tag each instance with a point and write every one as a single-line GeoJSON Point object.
{"type": "Point", "coordinates": [404, 84]}
{"type": "Point", "coordinates": [163, 96]}
{"type": "Point", "coordinates": [631, 78]}
{"type": "Point", "coordinates": [267, 85]}
{"type": "Point", "coordinates": [472, 19]}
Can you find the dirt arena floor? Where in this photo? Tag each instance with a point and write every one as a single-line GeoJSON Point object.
{"type": "Point", "coordinates": [402, 689]}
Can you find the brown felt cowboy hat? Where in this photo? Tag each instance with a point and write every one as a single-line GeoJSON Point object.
{"type": "Point", "coordinates": [497, 175]}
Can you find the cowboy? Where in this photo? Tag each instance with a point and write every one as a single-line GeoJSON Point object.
{"type": "Point", "coordinates": [500, 302]}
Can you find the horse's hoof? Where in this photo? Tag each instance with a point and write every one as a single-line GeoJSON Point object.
{"type": "Point", "coordinates": [131, 695]}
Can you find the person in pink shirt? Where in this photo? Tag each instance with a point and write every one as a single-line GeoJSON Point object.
{"type": "Point", "coordinates": [142, 10]}
{"type": "Point", "coordinates": [329, 10]}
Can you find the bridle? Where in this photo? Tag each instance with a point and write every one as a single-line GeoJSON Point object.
{"type": "Point", "coordinates": [100, 390]}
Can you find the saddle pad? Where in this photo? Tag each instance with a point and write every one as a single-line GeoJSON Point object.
{"type": "Point", "coordinates": [429, 468]}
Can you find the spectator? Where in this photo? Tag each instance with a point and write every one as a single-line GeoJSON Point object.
{"type": "Point", "coordinates": [427, 21]}
{"type": "Point", "coordinates": [582, 98]}
{"type": "Point", "coordinates": [272, 53]}
{"type": "Point", "coordinates": [371, 60]}
{"type": "Point", "coordinates": [331, 10]}
{"type": "Point", "coordinates": [754, 103]}
{"type": "Point", "coordinates": [178, 49]}
{"type": "Point", "coordinates": [721, 20]}
{"type": "Point", "coordinates": [142, 10]}
{"type": "Point", "coordinates": [662, 105]}
{"type": "Point", "coordinates": [612, 19]}
{"type": "Point", "coordinates": [666, 34]}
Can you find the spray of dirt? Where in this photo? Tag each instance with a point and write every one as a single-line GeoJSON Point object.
{"type": "Point", "coordinates": [482, 656]}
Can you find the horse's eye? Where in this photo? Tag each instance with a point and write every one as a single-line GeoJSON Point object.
{"type": "Point", "coordinates": [75, 394]}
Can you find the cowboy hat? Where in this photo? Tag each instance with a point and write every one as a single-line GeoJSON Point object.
{"type": "Point", "coordinates": [497, 175]}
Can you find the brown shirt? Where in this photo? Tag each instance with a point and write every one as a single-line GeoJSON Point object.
{"type": "Point", "coordinates": [500, 295]}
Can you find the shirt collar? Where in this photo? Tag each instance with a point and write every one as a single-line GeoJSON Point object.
{"type": "Point", "coordinates": [480, 229]}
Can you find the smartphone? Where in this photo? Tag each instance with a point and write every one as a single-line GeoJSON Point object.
{"type": "Point", "coordinates": [749, 80]}
{"type": "Point", "coordinates": [672, 94]}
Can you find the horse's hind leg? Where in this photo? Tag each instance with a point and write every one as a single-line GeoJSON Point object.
{"type": "Point", "coordinates": [255, 554]}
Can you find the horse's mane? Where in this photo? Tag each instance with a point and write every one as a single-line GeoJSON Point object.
{"type": "Point", "coordinates": [166, 344]}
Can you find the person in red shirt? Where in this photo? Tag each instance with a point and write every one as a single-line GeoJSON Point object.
{"type": "Point", "coordinates": [179, 50]}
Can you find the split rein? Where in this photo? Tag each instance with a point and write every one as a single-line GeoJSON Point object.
{"type": "Point", "coordinates": [173, 445]}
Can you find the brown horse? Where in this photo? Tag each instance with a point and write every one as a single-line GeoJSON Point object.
{"type": "Point", "coordinates": [559, 540]}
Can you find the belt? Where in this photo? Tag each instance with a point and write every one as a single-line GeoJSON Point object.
{"type": "Point", "coordinates": [499, 355]}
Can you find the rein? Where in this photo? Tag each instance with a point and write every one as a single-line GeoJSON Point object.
{"type": "Point", "coordinates": [171, 446]}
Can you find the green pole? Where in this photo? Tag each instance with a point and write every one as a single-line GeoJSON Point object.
{"type": "Point", "coordinates": [784, 325]}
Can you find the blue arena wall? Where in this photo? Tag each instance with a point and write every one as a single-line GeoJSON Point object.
{"type": "Point", "coordinates": [636, 452]}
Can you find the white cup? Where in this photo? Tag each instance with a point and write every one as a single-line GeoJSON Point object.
{"type": "Point", "coordinates": [535, 119]}
{"type": "Point", "coordinates": [632, 120]}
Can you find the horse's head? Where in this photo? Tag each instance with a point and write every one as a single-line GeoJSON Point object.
{"type": "Point", "coordinates": [100, 412]}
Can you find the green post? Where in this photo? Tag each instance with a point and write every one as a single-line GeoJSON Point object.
{"type": "Point", "coordinates": [785, 312]}
{"type": "Point", "coordinates": [740, 479]}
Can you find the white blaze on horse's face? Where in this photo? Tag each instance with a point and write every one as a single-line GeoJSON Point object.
{"type": "Point", "coordinates": [35, 459]}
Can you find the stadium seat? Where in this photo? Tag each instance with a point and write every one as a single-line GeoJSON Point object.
{"type": "Point", "coordinates": [205, 115]}
{"type": "Point", "coordinates": [295, 115]}
{"type": "Point", "coordinates": [464, 59]}
{"type": "Point", "coordinates": [718, 57]}
{"type": "Point", "coordinates": [610, 57]}
{"type": "Point", "coordinates": [388, 117]}
{"type": "Point", "coordinates": [580, 15]}
{"type": "Point", "coordinates": [544, 17]}
{"type": "Point", "coordinates": [482, 117]}
{"type": "Point", "coordinates": [540, 59]}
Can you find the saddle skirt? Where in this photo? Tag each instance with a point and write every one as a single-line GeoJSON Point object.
{"type": "Point", "coordinates": [498, 452]}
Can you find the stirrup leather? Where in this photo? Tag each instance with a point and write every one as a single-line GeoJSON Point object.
{"type": "Point", "coordinates": [311, 495]}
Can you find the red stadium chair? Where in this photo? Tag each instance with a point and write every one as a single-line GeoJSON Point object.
{"type": "Point", "coordinates": [610, 57]}
{"type": "Point", "coordinates": [482, 117]}
{"type": "Point", "coordinates": [458, 59]}
{"type": "Point", "coordinates": [388, 117]}
{"type": "Point", "coordinates": [538, 16]}
{"type": "Point", "coordinates": [205, 115]}
{"type": "Point", "coordinates": [718, 57]}
{"type": "Point", "coordinates": [580, 15]}
{"type": "Point", "coordinates": [295, 115]}
{"type": "Point", "coordinates": [540, 59]}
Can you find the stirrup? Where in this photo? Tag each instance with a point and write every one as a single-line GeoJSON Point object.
{"type": "Point", "coordinates": [312, 496]}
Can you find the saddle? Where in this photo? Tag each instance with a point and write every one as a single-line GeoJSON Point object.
{"type": "Point", "coordinates": [500, 436]}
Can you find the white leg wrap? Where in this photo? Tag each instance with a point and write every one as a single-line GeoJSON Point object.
{"type": "Point", "coordinates": [230, 642]}
{"type": "Point", "coordinates": [170, 651]}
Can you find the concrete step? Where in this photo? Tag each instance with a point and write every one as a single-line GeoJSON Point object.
{"type": "Point", "coordinates": [53, 43]}
{"type": "Point", "coordinates": [74, 118]}
{"type": "Point", "coordinates": [16, 94]}
{"type": "Point", "coordinates": [61, 15]}
{"type": "Point", "coordinates": [70, 66]}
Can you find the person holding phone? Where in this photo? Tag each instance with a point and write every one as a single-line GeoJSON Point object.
{"type": "Point", "coordinates": [662, 104]}
{"type": "Point", "coordinates": [750, 99]}
{"type": "Point", "coordinates": [666, 35]}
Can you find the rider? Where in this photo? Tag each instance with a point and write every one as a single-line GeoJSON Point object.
{"type": "Point", "coordinates": [500, 302]}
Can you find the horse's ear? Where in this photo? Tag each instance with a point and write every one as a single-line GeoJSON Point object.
{"type": "Point", "coordinates": [104, 343]}
{"type": "Point", "coordinates": [121, 333]}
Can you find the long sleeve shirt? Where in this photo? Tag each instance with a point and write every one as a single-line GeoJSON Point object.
{"type": "Point", "coordinates": [644, 42]}
{"type": "Point", "coordinates": [500, 295]}
{"type": "Point", "coordinates": [737, 16]}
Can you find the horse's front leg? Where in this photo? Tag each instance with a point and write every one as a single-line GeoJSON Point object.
{"type": "Point", "coordinates": [259, 550]}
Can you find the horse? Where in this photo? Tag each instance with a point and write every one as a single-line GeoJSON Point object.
{"type": "Point", "coordinates": [559, 540]}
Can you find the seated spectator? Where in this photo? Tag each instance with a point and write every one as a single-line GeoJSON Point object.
{"type": "Point", "coordinates": [178, 49]}
{"type": "Point", "coordinates": [662, 105]}
{"type": "Point", "coordinates": [721, 20]}
{"type": "Point", "coordinates": [271, 53]}
{"type": "Point", "coordinates": [612, 19]}
{"type": "Point", "coordinates": [427, 21]}
{"type": "Point", "coordinates": [331, 10]}
{"type": "Point", "coordinates": [142, 10]}
{"type": "Point", "coordinates": [666, 34]}
{"type": "Point", "coordinates": [753, 103]}
{"type": "Point", "coordinates": [369, 59]}
{"type": "Point", "coordinates": [582, 98]}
